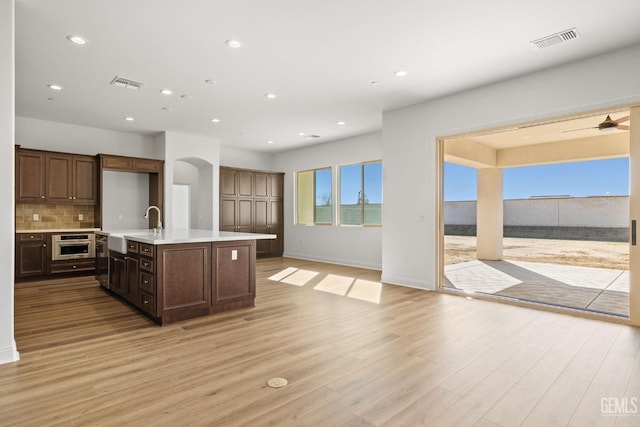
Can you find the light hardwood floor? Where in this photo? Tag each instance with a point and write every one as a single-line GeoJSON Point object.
{"type": "Point", "coordinates": [414, 358]}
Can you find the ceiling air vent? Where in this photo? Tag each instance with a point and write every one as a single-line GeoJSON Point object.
{"type": "Point", "coordinates": [557, 38]}
{"type": "Point", "coordinates": [124, 82]}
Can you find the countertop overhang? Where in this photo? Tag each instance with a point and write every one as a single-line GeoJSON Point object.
{"type": "Point", "coordinates": [169, 237]}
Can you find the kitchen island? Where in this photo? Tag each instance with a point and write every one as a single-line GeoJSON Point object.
{"type": "Point", "coordinates": [175, 275]}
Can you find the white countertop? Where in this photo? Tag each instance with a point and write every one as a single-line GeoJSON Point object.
{"type": "Point", "coordinates": [167, 237]}
{"type": "Point", "coordinates": [61, 230]}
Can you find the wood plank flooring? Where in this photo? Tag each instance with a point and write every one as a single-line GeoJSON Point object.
{"type": "Point", "coordinates": [355, 353]}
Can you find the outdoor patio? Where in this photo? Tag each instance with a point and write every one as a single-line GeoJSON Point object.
{"type": "Point", "coordinates": [595, 289]}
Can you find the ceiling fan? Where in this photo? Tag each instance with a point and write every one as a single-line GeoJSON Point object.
{"type": "Point", "coordinates": [607, 123]}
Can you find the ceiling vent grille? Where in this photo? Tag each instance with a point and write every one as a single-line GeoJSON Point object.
{"type": "Point", "coordinates": [557, 38]}
{"type": "Point", "coordinates": [127, 83]}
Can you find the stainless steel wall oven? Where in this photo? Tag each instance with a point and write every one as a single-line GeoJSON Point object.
{"type": "Point", "coordinates": [72, 246]}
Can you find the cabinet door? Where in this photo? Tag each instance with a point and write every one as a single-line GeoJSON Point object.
{"type": "Point", "coordinates": [58, 177]}
{"type": "Point", "coordinates": [244, 220]}
{"type": "Point", "coordinates": [261, 184]}
{"type": "Point", "coordinates": [276, 185]}
{"type": "Point", "coordinates": [228, 214]}
{"type": "Point", "coordinates": [228, 185]}
{"type": "Point", "coordinates": [116, 273]}
{"type": "Point", "coordinates": [261, 225]}
{"type": "Point", "coordinates": [276, 226]}
{"type": "Point", "coordinates": [131, 273]}
{"type": "Point", "coordinates": [31, 258]}
{"type": "Point", "coordinates": [245, 183]}
{"type": "Point", "coordinates": [30, 177]}
{"type": "Point", "coordinates": [85, 182]}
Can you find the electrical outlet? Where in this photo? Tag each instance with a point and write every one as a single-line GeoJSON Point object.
{"type": "Point", "coordinates": [36, 217]}
{"type": "Point", "coordinates": [80, 217]}
{"type": "Point", "coordinates": [234, 255]}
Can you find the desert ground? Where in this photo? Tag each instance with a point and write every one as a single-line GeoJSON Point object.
{"type": "Point", "coordinates": [567, 252]}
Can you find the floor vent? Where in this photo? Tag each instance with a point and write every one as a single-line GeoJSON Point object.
{"type": "Point", "coordinates": [557, 38]}
{"type": "Point", "coordinates": [124, 82]}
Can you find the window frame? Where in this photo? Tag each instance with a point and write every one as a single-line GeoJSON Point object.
{"type": "Point", "coordinates": [362, 184]}
{"type": "Point", "coordinates": [313, 197]}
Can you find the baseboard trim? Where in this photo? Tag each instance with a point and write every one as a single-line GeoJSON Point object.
{"type": "Point", "coordinates": [348, 263]}
{"type": "Point", "coordinates": [408, 282]}
{"type": "Point", "coordinates": [9, 355]}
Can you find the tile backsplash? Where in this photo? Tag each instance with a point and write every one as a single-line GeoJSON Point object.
{"type": "Point", "coordinates": [64, 216]}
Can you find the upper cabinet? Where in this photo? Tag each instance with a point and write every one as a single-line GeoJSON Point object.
{"type": "Point", "coordinates": [251, 201]}
{"type": "Point", "coordinates": [43, 176]}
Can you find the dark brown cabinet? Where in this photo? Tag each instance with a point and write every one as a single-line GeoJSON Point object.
{"type": "Point", "coordinates": [43, 176]}
{"type": "Point", "coordinates": [181, 281]}
{"type": "Point", "coordinates": [251, 202]}
{"type": "Point", "coordinates": [31, 254]}
{"type": "Point", "coordinates": [30, 176]}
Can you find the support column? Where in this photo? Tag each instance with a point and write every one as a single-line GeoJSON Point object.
{"type": "Point", "coordinates": [489, 219]}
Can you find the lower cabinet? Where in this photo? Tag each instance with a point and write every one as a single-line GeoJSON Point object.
{"type": "Point", "coordinates": [31, 254]}
{"type": "Point", "coordinates": [182, 281]}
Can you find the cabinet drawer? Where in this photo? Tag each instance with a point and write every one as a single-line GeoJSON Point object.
{"type": "Point", "coordinates": [146, 250]}
{"type": "Point", "coordinates": [31, 236]}
{"type": "Point", "coordinates": [146, 264]}
{"type": "Point", "coordinates": [73, 265]}
{"type": "Point", "coordinates": [132, 247]}
{"type": "Point", "coordinates": [147, 283]}
{"type": "Point", "coordinates": [148, 303]}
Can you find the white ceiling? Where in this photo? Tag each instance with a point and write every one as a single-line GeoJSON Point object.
{"type": "Point", "coordinates": [318, 57]}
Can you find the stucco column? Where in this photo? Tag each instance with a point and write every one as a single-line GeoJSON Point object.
{"type": "Point", "coordinates": [489, 217]}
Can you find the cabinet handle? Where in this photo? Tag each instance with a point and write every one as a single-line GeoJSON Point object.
{"type": "Point", "coordinates": [146, 282]}
{"type": "Point", "coordinates": [31, 237]}
{"type": "Point", "coordinates": [70, 198]}
{"type": "Point", "coordinates": [145, 250]}
{"type": "Point", "coordinates": [74, 197]}
{"type": "Point", "coordinates": [42, 197]}
{"type": "Point", "coordinates": [44, 246]}
{"type": "Point", "coordinates": [145, 301]}
{"type": "Point", "coordinates": [75, 266]}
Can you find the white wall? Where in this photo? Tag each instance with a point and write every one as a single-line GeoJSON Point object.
{"type": "Point", "coordinates": [125, 198]}
{"type": "Point", "coordinates": [187, 174]}
{"type": "Point", "coordinates": [409, 145]}
{"type": "Point", "coordinates": [204, 153]}
{"type": "Point", "coordinates": [8, 352]}
{"type": "Point", "coordinates": [56, 136]}
{"type": "Point", "coordinates": [245, 159]}
{"type": "Point", "coordinates": [358, 246]}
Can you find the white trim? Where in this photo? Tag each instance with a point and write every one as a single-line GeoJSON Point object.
{"type": "Point", "coordinates": [9, 355]}
{"type": "Point", "coordinates": [408, 282]}
{"type": "Point", "coordinates": [338, 261]}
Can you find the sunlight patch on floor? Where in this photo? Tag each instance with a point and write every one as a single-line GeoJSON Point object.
{"type": "Point", "coordinates": [360, 289]}
{"type": "Point", "coordinates": [300, 277]}
{"type": "Point", "coordinates": [366, 290]}
{"type": "Point", "coordinates": [335, 284]}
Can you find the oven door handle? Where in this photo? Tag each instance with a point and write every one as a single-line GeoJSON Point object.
{"type": "Point", "coordinates": [76, 243]}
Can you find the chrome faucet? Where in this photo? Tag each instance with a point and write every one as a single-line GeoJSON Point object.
{"type": "Point", "coordinates": [158, 227]}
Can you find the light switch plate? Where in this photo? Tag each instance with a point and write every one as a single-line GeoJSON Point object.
{"type": "Point", "coordinates": [234, 255]}
{"type": "Point", "coordinates": [36, 217]}
{"type": "Point", "coordinates": [80, 217]}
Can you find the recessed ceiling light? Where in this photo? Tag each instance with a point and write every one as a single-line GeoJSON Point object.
{"type": "Point", "coordinates": [233, 43]}
{"type": "Point", "coordinates": [167, 108]}
{"type": "Point", "coordinates": [129, 119]}
{"type": "Point", "coordinates": [400, 73]}
{"type": "Point", "coordinates": [77, 40]}
{"type": "Point", "coordinates": [166, 91]}
{"type": "Point", "coordinates": [211, 82]}
{"type": "Point", "coordinates": [300, 133]}
{"type": "Point", "coordinates": [271, 95]}
{"type": "Point", "coordinates": [215, 120]}
{"type": "Point", "coordinates": [54, 87]}
{"type": "Point", "coordinates": [341, 123]}
{"type": "Point", "coordinates": [186, 96]}
{"type": "Point", "coordinates": [51, 99]}
{"type": "Point", "coordinates": [269, 142]}
{"type": "Point", "coordinates": [375, 83]}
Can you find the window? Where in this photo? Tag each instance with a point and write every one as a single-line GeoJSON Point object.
{"type": "Point", "coordinates": [313, 201]}
{"type": "Point", "coordinates": [361, 194]}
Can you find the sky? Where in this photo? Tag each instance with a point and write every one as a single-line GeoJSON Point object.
{"type": "Point", "coordinates": [350, 183]}
{"type": "Point", "coordinates": [577, 179]}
